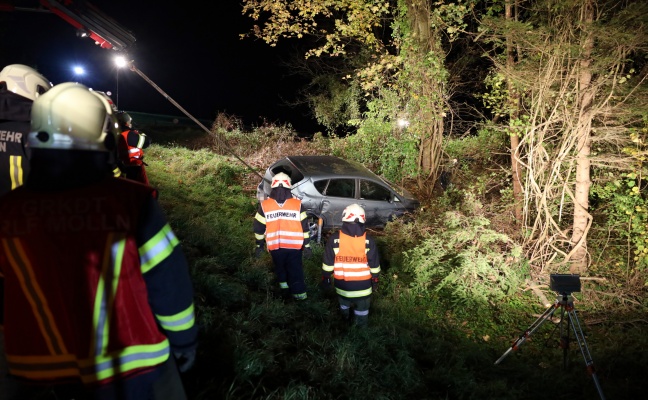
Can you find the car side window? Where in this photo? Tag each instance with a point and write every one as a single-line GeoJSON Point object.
{"type": "Point", "coordinates": [373, 191]}
{"type": "Point", "coordinates": [321, 185]}
{"type": "Point", "coordinates": [341, 188]}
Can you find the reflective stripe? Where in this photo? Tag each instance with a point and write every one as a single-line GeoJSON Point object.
{"type": "Point", "coordinates": [178, 322]}
{"type": "Point", "coordinates": [300, 296]}
{"type": "Point", "coordinates": [299, 235]}
{"type": "Point", "coordinates": [106, 292]}
{"type": "Point", "coordinates": [260, 218]}
{"type": "Point", "coordinates": [278, 242]}
{"type": "Point", "coordinates": [91, 369]}
{"type": "Point", "coordinates": [15, 171]}
{"type": "Point", "coordinates": [352, 294]}
{"type": "Point", "coordinates": [34, 295]}
{"type": "Point", "coordinates": [141, 140]}
{"type": "Point", "coordinates": [157, 248]}
{"type": "Point", "coordinates": [283, 285]}
{"type": "Point", "coordinates": [365, 312]}
{"type": "Point", "coordinates": [327, 268]}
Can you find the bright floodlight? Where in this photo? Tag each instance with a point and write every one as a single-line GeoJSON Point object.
{"type": "Point", "coordinates": [403, 123]}
{"type": "Point", "coordinates": [120, 61]}
{"type": "Point", "coordinates": [79, 70]}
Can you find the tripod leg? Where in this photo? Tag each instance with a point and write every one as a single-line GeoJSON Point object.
{"type": "Point", "coordinates": [526, 334]}
{"type": "Point", "coordinates": [580, 338]}
{"type": "Point", "coordinates": [564, 337]}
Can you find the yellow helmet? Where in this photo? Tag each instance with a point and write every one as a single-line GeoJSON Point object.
{"type": "Point", "coordinates": [71, 117]}
{"type": "Point", "coordinates": [24, 81]}
{"type": "Point", "coordinates": [281, 179]}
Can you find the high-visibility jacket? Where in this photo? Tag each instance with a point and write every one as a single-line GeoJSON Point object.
{"type": "Point", "coordinates": [96, 283]}
{"type": "Point", "coordinates": [14, 153]}
{"type": "Point", "coordinates": [131, 144]}
{"type": "Point", "coordinates": [353, 261]}
{"type": "Point", "coordinates": [283, 224]}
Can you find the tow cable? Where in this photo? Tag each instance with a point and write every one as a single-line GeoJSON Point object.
{"type": "Point", "coordinates": [132, 67]}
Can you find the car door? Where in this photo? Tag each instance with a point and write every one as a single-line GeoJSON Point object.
{"type": "Point", "coordinates": [337, 194]}
{"type": "Point", "coordinates": [378, 202]}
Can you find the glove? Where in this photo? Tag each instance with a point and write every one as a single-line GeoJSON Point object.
{"type": "Point", "coordinates": [259, 251]}
{"type": "Point", "coordinates": [374, 284]}
{"type": "Point", "coordinates": [185, 359]}
{"type": "Point", "coordinates": [308, 253]}
{"type": "Point", "coordinates": [326, 283]}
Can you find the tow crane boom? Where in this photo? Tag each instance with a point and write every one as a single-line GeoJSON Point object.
{"type": "Point", "coordinates": [88, 20]}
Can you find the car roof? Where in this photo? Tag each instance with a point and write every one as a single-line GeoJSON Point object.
{"type": "Point", "coordinates": [326, 166]}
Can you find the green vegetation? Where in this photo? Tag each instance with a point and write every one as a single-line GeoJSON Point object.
{"type": "Point", "coordinates": [454, 294]}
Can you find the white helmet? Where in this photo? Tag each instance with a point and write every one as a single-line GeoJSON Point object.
{"type": "Point", "coordinates": [71, 117]}
{"type": "Point", "coordinates": [281, 179]}
{"type": "Point", "coordinates": [108, 99]}
{"type": "Point", "coordinates": [24, 81]}
{"type": "Point", "coordinates": [352, 213]}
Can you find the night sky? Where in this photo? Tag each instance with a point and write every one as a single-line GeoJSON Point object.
{"type": "Point", "coordinates": [190, 49]}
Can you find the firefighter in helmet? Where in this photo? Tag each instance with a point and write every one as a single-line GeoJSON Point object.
{"type": "Point", "coordinates": [100, 293]}
{"type": "Point", "coordinates": [352, 265]}
{"type": "Point", "coordinates": [130, 149]}
{"type": "Point", "coordinates": [280, 224]}
{"type": "Point", "coordinates": [20, 85]}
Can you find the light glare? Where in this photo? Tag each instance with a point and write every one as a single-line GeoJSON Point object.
{"type": "Point", "coordinates": [120, 61]}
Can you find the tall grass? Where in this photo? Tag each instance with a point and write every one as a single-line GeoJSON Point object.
{"type": "Point", "coordinates": [420, 344]}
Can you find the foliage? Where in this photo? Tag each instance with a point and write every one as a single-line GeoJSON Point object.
{"type": "Point", "coordinates": [420, 343]}
{"type": "Point", "coordinates": [466, 259]}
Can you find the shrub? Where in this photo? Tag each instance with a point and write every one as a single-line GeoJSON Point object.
{"type": "Point", "coordinates": [466, 259]}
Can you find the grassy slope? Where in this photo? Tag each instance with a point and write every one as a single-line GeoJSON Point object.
{"type": "Point", "coordinates": [255, 346]}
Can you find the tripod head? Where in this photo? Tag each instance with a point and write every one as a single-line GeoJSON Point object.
{"type": "Point", "coordinates": [565, 284]}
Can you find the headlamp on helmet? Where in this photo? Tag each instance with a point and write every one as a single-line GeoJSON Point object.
{"type": "Point", "coordinates": [281, 179]}
{"type": "Point", "coordinates": [354, 213]}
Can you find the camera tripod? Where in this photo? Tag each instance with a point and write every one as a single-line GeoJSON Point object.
{"type": "Point", "coordinates": [566, 304]}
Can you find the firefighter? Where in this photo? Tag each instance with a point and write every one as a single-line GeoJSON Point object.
{"type": "Point", "coordinates": [352, 265]}
{"type": "Point", "coordinates": [280, 224]}
{"type": "Point", "coordinates": [100, 293]}
{"type": "Point", "coordinates": [20, 85]}
{"type": "Point", "coordinates": [130, 147]}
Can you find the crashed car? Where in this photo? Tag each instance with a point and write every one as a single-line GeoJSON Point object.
{"type": "Point", "coordinates": [326, 185]}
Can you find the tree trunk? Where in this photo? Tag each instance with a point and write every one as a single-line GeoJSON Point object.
{"type": "Point", "coordinates": [429, 112]}
{"type": "Point", "coordinates": [582, 218]}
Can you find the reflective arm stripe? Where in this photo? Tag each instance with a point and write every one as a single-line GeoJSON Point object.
{"type": "Point", "coordinates": [178, 322]}
{"type": "Point", "coordinates": [303, 216]}
{"type": "Point", "coordinates": [157, 248]}
{"type": "Point", "coordinates": [375, 270]}
{"type": "Point", "coordinates": [34, 294]}
{"type": "Point", "coordinates": [15, 171]}
{"type": "Point", "coordinates": [141, 140]}
{"type": "Point", "coordinates": [106, 292]}
{"type": "Point", "coordinates": [260, 218]}
{"type": "Point", "coordinates": [259, 237]}
{"type": "Point", "coordinates": [327, 268]}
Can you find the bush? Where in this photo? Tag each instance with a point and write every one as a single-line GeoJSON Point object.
{"type": "Point", "coordinates": [466, 259]}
